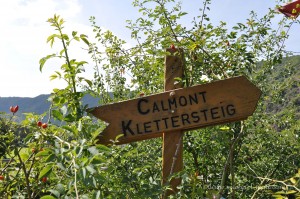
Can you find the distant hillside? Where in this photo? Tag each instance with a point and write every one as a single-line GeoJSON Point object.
{"type": "Point", "coordinates": [37, 105]}
{"type": "Point", "coordinates": [284, 83]}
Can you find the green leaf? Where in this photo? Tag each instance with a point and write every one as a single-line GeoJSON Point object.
{"type": "Point", "coordinates": [89, 82]}
{"type": "Point", "coordinates": [74, 33]}
{"type": "Point", "coordinates": [280, 192]}
{"type": "Point", "coordinates": [84, 39]}
{"type": "Point", "coordinates": [118, 136]}
{"type": "Point", "coordinates": [45, 171]}
{"type": "Point", "coordinates": [96, 195]}
{"type": "Point", "coordinates": [81, 63]}
{"type": "Point", "coordinates": [278, 196]}
{"type": "Point", "coordinates": [69, 118]}
{"type": "Point", "coordinates": [44, 59]}
{"type": "Point", "coordinates": [50, 158]}
{"type": "Point", "coordinates": [62, 51]}
{"type": "Point", "coordinates": [51, 39]}
{"type": "Point", "coordinates": [60, 188]}
{"type": "Point", "coordinates": [28, 137]}
{"type": "Point", "coordinates": [93, 150]}
{"type": "Point", "coordinates": [61, 22]}
{"type": "Point", "coordinates": [71, 129]}
{"type": "Point", "coordinates": [57, 114]}
{"type": "Point", "coordinates": [55, 192]}
{"type": "Point", "coordinates": [94, 182]}
{"type": "Point", "coordinates": [65, 37]}
{"type": "Point", "coordinates": [178, 79]}
{"type": "Point", "coordinates": [83, 171]}
{"type": "Point", "coordinates": [43, 153]}
{"type": "Point", "coordinates": [84, 197]}
{"type": "Point", "coordinates": [48, 197]}
{"type": "Point", "coordinates": [96, 160]}
{"type": "Point", "coordinates": [56, 90]}
{"type": "Point", "coordinates": [293, 180]}
{"type": "Point", "coordinates": [103, 148]}
{"type": "Point", "coordinates": [64, 110]}
{"type": "Point", "coordinates": [224, 128]}
{"type": "Point", "coordinates": [58, 74]}
{"type": "Point", "coordinates": [24, 154]}
{"type": "Point", "coordinates": [83, 36]}
{"type": "Point", "coordinates": [291, 192]}
{"type": "Point", "coordinates": [52, 77]}
{"type": "Point", "coordinates": [91, 169]}
{"type": "Point", "coordinates": [61, 166]}
{"type": "Point", "coordinates": [78, 151]}
{"type": "Point", "coordinates": [182, 14]}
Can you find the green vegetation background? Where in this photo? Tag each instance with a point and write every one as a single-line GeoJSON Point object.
{"type": "Point", "coordinates": [54, 153]}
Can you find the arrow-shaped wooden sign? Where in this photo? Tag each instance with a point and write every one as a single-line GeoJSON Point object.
{"type": "Point", "coordinates": [199, 106]}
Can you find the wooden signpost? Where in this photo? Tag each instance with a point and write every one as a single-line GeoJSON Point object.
{"type": "Point", "coordinates": [181, 109]}
{"type": "Point", "coordinates": [177, 109]}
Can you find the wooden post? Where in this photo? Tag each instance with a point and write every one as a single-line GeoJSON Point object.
{"type": "Point", "coordinates": [172, 141]}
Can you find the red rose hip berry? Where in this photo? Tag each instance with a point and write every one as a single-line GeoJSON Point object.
{"type": "Point", "coordinates": [14, 109]}
{"type": "Point", "coordinates": [44, 179]}
{"type": "Point", "coordinates": [39, 123]}
{"type": "Point", "coordinates": [44, 125]}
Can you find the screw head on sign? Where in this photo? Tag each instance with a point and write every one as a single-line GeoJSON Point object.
{"type": "Point", "coordinates": [172, 93]}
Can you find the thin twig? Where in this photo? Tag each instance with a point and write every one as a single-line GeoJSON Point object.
{"type": "Point", "coordinates": [280, 181]}
{"type": "Point", "coordinates": [75, 179]}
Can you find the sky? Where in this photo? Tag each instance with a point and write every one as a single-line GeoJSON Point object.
{"type": "Point", "coordinates": [24, 32]}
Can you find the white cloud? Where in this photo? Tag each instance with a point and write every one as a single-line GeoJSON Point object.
{"type": "Point", "coordinates": [24, 31]}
